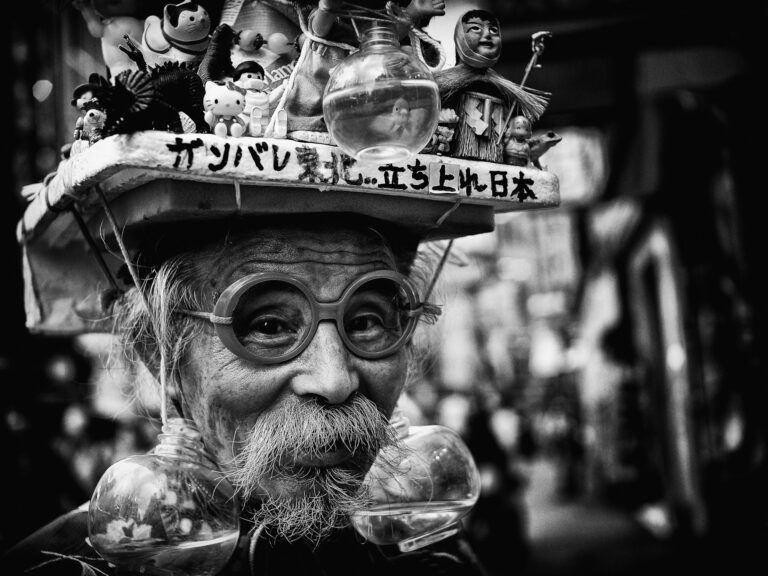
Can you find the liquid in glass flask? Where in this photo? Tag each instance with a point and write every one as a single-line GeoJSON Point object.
{"type": "Point", "coordinates": [168, 510]}
{"type": "Point", "coordinates": [421, 490]}
{"type": "Point", "coordinates": [381, 104]}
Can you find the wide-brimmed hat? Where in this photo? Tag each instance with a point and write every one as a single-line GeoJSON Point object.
{"type": "Point", "coordinates": [150, 180]}
{"type": "Point", "coordinates": [147, 184]}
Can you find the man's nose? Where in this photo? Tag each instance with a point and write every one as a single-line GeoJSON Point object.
{"type": "Point", "coordinates": [327, 371]}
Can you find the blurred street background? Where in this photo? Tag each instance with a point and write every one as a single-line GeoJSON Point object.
{"type": "Point", "coordinates": [604, 361]}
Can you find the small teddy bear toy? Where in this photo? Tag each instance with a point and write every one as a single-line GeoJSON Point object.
{"type": "Point", "coordinates": [223, 103]}
{"type": "Point", "coordinates": [517, 152]}
{"type": "Point", "coordinates": [90, 131]}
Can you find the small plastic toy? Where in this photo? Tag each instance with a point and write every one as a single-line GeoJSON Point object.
{"type": "Point", "coordinates": [182, 35]}
{"type": "Point", "coordinates": [517, 152]}
{"type": "Point", "coordinates": [223, 103]}
{"type": "Point", "coordinates": [91, 130]}
{"type": "Point", "coordinates": [540, 143]}
{"type": "Point", "coordinates": [249, 76]}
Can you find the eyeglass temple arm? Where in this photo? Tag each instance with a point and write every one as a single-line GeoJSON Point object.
{"type": "Point", "coordinates": [212, 318]}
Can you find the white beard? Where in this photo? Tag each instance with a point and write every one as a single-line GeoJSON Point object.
{"type": "Point", "coordinates": [301, 502]}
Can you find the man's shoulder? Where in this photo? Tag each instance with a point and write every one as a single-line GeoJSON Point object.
{"type": "Point", "coordinates": [59, 547]}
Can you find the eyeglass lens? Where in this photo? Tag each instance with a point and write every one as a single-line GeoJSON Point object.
{"type": "Point", "coordinates": [273, 317]}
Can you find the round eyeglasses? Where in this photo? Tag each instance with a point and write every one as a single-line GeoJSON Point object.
{"type": "Point", "coordinates": [271, 317]}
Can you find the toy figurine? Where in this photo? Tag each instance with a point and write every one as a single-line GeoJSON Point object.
{"type": "Point", "coordinates": [479, 95]}
{"type": "Point", "coordinates": [517, 152]}
{"type": "Point", "coordinates": [224, 102]}
{"type": "Point", "coordinates": [182, 35]}
{"type": "Point", "coordinates": [92, 127]}
{"type": "Point", "coordinates": [111, 21]}
{"type": "Point", "coordinates": [84, 98]}
{"type": "Point", "coordinates": [540, 144]}
{"type": "Point", "coordinates": [394, 123]}
{"type": "Point", "coordinates": [249, 76]}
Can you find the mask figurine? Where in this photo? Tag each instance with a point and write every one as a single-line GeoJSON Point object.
{"type": "Point", "coordinates": [480, 96]}
{"type": "Point", "coordinates": [111, 21]}
{"type": "Point", "coordinates": [223, 103]}
{"type": "Point", "coordinates": [182, 35]}
{"type": "Point", "coordinates": [517, 152]}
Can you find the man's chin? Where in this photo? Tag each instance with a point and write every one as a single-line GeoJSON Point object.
{"type": "Point", "coordinates": [310, 504]}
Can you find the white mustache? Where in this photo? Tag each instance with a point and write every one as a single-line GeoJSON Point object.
{"type": "Point", "coordinates": [323, 497]}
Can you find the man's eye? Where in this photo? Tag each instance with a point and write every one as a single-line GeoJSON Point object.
{"type": "Point", "coordinates": [365, 323]}
{"type": "Point", "coordinates": [270, 326]}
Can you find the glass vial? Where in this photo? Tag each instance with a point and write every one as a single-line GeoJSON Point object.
{"type": "Point", "coordinates": [381, 104]}
{"type": "Point", "coordinates": [169, 510]}
{"type": "Point", "coordinates": [421, 489]}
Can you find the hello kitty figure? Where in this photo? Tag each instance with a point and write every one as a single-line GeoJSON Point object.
{"type": "Point", "coordinates": [223, 103]}
{"type": "Point", "coordinates": [181, 36]}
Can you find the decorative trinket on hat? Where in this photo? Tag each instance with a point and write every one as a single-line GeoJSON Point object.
{"type": "Point", "coordinates": [181, 35]}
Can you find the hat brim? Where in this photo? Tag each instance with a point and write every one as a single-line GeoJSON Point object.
{"type": "Point", "coordinates": [156, 178]}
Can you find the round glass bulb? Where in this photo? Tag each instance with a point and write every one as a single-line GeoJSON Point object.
{"type": "Point", "coordinates": [169, 510]}
{"type": "Point", "coordinates": [381, 104]}
{"type": "Point", "coordinates": [420, 489]}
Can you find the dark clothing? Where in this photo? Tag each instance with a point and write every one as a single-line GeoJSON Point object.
{"type": "Point", "coordinates": [344, 554]}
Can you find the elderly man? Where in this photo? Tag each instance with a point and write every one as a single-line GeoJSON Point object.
{"type": "Point", "coordinates": [293, 396]}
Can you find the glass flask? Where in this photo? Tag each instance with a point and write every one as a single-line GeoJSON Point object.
{"type": "Point", "coordinates": [381, 104]}
{"type": "Point", "coordinates": [169, 511]}
{"type": "Point", "coordinates": [420, 489]}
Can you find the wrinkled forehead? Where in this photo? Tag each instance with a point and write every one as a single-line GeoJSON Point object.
{"type": "Point", "coordinates": [317, 254]}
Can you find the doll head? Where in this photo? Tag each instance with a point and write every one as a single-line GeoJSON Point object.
{"type": "Point", "coordinates": [478, 39]}
{"type": "Point", "coordinates": [520, 128]}
{"type": "Point", "coordinates": [250, 75]}
{"type": "Point", "coordinates": [186, 22]}
{"type": "Point", "coordinates": [224, 98]}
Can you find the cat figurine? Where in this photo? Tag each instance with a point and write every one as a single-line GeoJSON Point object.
{"type": "Point", "coordinates": [224, 102]}
{"type": "Point", "coordinates": [182, 35]}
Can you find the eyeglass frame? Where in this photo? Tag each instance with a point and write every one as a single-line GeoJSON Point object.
{"type": "Point", "coordinates": [227, 302]}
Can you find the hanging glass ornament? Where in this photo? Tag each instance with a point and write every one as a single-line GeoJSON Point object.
{"type": "Point", "coordinates": [381, 104]}
{"type": "Point", "coordinates": [420, 489]}
{"type": "Point", "coordinates": [169, 510]}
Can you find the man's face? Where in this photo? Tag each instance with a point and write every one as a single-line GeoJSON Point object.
{"type": "Point", "coordinates": [483, 37]}
{"type": "Point", "coordinates": [242, 408]}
